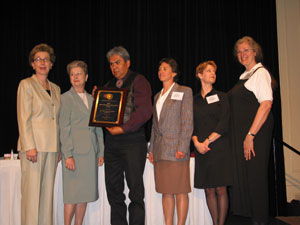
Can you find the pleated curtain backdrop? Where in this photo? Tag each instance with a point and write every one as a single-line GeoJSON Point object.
{"type": "Point", "coordinates": [189, 31]}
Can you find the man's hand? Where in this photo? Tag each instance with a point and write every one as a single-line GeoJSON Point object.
{"type": "Point", "coordinates": [115, 130]}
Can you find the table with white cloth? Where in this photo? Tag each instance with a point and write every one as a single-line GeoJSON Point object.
{"type": "Point", "coordinates": [10, 192]}
{"type": "Point", "coordinates": [97, 212]}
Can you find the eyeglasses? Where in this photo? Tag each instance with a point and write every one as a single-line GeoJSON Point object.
{"type": "Point", "coordinates": [76, 74]}
{"type": "Point", "coordinates": [246, 51]}
{"type": "Point", "coordinates": [45, 60]}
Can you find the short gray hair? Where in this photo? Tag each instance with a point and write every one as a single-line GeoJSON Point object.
{"type": "Point", "coordinates": [118, 50]}
{"type": "Point", "coordinates": [253, 44]}
{"type": "Point", "coordinates": [77, 63]}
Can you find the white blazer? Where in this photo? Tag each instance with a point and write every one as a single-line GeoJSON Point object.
{"type": "Point", "coordinates": [37, 114]}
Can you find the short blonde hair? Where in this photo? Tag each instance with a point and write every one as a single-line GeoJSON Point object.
{"type": "Point", "coordinates": [77, 63]}
{"type": "Point", "coordinates": [201, 67]}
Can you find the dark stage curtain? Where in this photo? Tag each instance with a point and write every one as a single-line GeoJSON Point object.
{"type": "Point", "coordinates": [189, 31]}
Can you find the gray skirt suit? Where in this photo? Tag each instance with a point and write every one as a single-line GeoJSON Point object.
{"type": "Point", "coordinates": [84, 144]}
{"type": "Point", "coordinates": [172, 133]}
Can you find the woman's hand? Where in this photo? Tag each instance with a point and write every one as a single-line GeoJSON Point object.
{"type": "Point", "coordinates": [180, 155]}
{"type": "Point", "coordinates": [31, 155]}
{"type": "Point", "coordinates": [100, 161]}
{"type": "Point", "coordinates": [93, 91]}
{"type": "Point", "coordinates": [202, 147]}
{"type": "Point", "coordinates": [150, 157]}
{"type": "Point", "coordinates": [260, 118]}
{"type": "Point", "coordinates": [249, 147]}
{"type": "Point", "coordinates": [59, 157]}
{"type": "Point", "coordinates": [70, 163]}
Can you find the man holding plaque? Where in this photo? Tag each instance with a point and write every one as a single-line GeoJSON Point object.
{"type": "Point", "coordinates": [126, 145]}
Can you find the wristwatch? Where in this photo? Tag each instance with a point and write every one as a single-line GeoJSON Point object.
{"type": "Point", "coordinates": [209, 140]}
{"type": "Point", "coordinates": [249, 133]}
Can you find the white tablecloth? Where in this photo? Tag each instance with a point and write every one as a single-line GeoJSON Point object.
{"type": "Point", "coordinates": [10, 192]}
{"type": "Point", "coordinates": [98, 213]}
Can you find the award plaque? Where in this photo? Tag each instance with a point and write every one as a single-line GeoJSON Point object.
{"type": "Point", "coordinates": [108, 107]}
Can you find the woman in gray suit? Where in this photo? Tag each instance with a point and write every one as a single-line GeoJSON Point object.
{"type": "Point", "coordinates": [82, 146]}
{"type": "Point", "coordinates": [172, 128]}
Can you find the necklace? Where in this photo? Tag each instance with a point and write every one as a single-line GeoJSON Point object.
{"type": "Point", "coordinates": [45, 85]}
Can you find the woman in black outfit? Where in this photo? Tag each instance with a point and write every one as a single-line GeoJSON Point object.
{"type": "Point", "coordinates": [212, 154]}
{"type": "Point", "coordinates": [251, 132]}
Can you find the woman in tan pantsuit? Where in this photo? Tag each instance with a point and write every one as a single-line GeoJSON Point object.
{"type": "Point", "coordinates": [172, 128]}
{"type": "Point", "coordinates": [81, 146]}
{"type": "Point", "coordinates": [38, 102]}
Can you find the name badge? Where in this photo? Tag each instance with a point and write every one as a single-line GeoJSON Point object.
{"type": "Point", "coordinates": [212, 99]}
{"type": "Point", "coordinates": [177, 95]}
